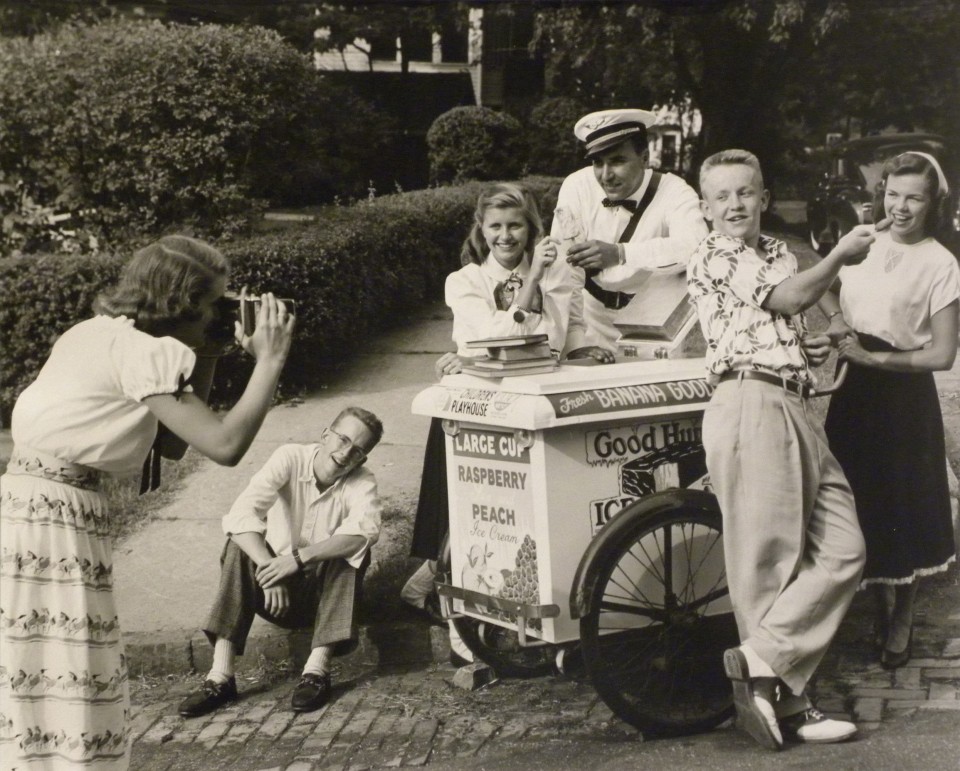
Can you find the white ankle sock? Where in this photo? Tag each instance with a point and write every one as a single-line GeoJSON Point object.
{"type": "Point", "coordinates": [420, 584]}
{"type": "Point", "coordinates": [319, 661]}
{"type": "Point", "coordinates": [223, 661]}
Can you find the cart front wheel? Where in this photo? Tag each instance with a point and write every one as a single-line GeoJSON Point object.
{"type": "Point", "coordinates": [496, 645]}
{"type": "Point", "coordinates": [658, 616]}
{"type": "Point", "coordinates": [500, 648]}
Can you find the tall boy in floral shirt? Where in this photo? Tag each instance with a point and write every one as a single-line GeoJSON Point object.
{"type": "Point", "coordinates": [792, 545]}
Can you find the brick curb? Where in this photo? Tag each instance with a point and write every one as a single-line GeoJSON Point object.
{"type": "Point", "coordinates": [379, 645]}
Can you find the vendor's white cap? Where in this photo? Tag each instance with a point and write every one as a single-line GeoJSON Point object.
{"type": "Point", "coordinates": [606, 128]}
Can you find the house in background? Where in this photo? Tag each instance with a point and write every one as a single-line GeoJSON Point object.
{"type": "Point", "coordinates": [671, 137]}
{"type": "Point", "coordinates": [483, 60]}
{"type": "Point", "coordinates": [416, 77]}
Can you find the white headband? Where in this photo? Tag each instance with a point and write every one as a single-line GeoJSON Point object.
{"type": "Point", "coordinates": [941, 177]}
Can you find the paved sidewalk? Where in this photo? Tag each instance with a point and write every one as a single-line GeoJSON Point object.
{"type": "Point", "coordinates": [385, 716]}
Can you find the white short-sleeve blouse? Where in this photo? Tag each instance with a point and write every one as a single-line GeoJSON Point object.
{"type": "Point", "coordinates": [86, 404]}
{"type": "Point", "coordinates": [897, 289]}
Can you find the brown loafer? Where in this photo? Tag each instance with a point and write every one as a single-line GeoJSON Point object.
{"type": "Point", "coordinates": [208, 697]}
{"type": "Point", "coordinates": [311, 693]}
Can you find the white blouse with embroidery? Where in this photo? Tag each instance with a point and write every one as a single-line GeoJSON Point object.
{"type": "Point", "coordinates": [86, 405]}
{"type": "Point", "coordinates": [896, 290]}
{"type": "Point", "coordinates": [470, 292]}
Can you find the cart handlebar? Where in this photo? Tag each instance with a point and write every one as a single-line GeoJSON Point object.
{"type": "Point", "coordinates": [837, 381]}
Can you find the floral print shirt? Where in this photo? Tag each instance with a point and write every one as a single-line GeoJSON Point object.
{"type": "Point", "coordinates": [728, 282]}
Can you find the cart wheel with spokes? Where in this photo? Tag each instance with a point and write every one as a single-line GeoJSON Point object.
{"type": "Point", "coordinates": [656, 614]}
{"type": "Point", "coordinates": [498, 646]}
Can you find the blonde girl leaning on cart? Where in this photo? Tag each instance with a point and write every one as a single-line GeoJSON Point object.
{"type": "Point", "coordinates": [896, 321]}
{"type": "Point", "coordinates": [510, 284]}
{"type": "Point", "coordinates": [93, 411]}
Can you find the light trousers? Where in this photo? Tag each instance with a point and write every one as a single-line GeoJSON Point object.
{"type": "Point", "coordinates": [792, 545]}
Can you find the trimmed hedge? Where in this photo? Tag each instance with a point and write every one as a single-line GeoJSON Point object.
{"type": "Point", "coordinates": [553, 147]}
{"type": "Point", "coordinates": [475, 143]}
{"type": "Point", "coordinates": [138, 127]}
{"type": "Point", "coordinates": [45, 295]}
{"type": "Point", "coordinates": [355, 272]}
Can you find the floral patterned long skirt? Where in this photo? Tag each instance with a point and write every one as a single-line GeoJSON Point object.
{"type": "Point", "coordinates": [64, 696]}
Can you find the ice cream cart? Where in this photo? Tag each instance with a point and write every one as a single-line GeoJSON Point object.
{"type": "Point", "coordinates": [581, 515]}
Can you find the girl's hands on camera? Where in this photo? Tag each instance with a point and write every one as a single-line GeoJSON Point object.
{"type": "Point", "coordinates": [274, 331]}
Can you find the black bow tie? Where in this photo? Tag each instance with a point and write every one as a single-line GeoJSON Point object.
{"type": "Point", "coordinates": [627, 203]}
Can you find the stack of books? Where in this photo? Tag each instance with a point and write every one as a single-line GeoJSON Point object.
{"type": "Point", "coordinates": [511, 356]}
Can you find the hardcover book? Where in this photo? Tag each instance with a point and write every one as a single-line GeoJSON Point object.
{"type": "Point", "coordinates": [521, 352]}
{"type": "Point", "coordinates": [536, 369]}
{"type": "Point", "coordinates": [659, 310]}
{"type": "Point", "coordinates": [506, 342]}
{"type": "Point", "coordinates": [497, 364]}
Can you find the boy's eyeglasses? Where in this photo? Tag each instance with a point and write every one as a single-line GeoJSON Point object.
{"type": "Point", "coordinates": [353, 452]}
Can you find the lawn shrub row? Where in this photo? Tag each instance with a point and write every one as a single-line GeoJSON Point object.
{"type": "Point", "coordinates": [355, 271]}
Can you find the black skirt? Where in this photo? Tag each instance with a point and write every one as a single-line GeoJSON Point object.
{"type": "Point", "coordinates": [886, 430]}
{"type": "Point", "coordinates": [431, 522]}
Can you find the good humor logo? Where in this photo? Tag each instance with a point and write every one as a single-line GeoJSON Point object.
{"type": "Point", "coordinates": [611, 446]}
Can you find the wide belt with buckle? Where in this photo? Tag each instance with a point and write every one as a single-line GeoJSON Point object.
{"type": "Point", "coordinates": [748, 374]}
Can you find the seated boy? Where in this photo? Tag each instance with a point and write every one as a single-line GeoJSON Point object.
{"type": "Point", "coordinates": [298, 541]}
{"type": "Point", "coordinates": [792, 544]}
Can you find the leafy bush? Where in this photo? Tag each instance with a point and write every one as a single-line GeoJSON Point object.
{"type": "Point", "coordinates": [153, 126]}
{"type": "Point", "coordinates": [45, 295]}
{"type": "Point", "coordinates": [356, 271]}
{"type": "Point", "coordinates": [553, 147]}
{"type": "Point", "coordinates": [475, 143]}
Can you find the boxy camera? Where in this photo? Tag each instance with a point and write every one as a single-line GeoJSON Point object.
{"type": "Point", "coordinates": [233, 308]}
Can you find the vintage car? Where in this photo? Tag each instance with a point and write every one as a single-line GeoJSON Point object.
{"type": "Point", "coordinates": [844, 196]}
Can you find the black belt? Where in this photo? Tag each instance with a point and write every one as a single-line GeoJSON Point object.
{"type": "Point", "coordinates": [749, 374]}
{"type": "Point", "coordinates": [611, 300]}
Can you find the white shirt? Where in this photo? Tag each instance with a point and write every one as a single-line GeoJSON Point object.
{"type": "Point", "coordinates": [666, 237]}
{"type": "Point", "coordinates": [470, 294]}
{"type": "Point", "coordinates": [86, 405]}
{"type": "Point", "coordinates": [896, 290]}
{"type": "Point", "coordinates": [282, 501]}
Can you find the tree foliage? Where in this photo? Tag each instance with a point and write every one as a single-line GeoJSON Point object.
{"type": "Point", "coordinates": [146, 126]}
{"type": "Point", "coordinates": [475, 143]}
{"type": "Point", "coordinates": [731, 58]}
{"type": "Point", "coordinates": [891, 65]}
{"type": "Point", "coordinates": [768, 75]}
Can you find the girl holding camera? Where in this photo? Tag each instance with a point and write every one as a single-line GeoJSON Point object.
{"type": "Point", "coordinates": [94, 409]}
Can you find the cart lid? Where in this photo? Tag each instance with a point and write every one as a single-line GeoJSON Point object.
{"type": "Point", "coordinates": [571, 394]}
